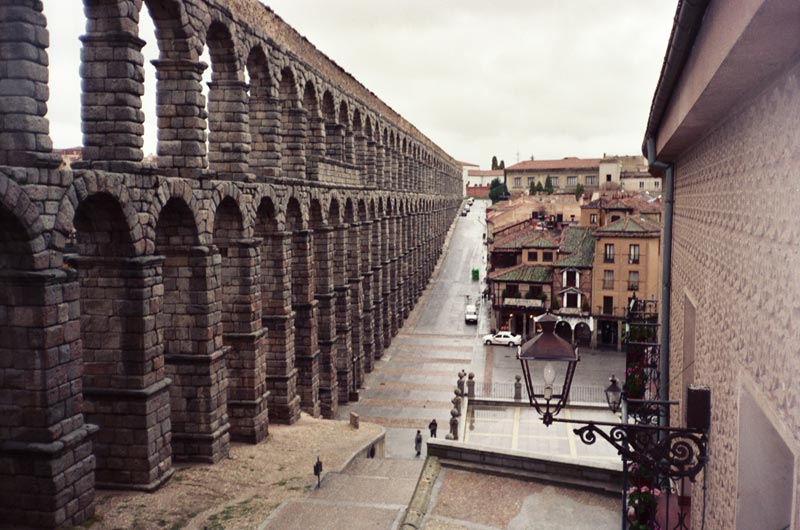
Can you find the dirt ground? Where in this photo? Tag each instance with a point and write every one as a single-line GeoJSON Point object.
{"type": "Point", "coordinates": [239, 492]}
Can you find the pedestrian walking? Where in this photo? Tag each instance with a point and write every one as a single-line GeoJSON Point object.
{"type": "Point", "coordinates": [418, 442]}
{"type": "Point", "coordinates": [432, 426]}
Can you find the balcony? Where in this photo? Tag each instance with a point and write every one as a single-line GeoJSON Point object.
{"type": "Point", "coordinates": [608, 259]}
{"type": "Point", "coordinates": [633, 286]}
{"type": "Point", "coordinates": [633, 261]}
{"type": "Point", "coordinates": [607, 311]}
{"type": "Point", "coordinates": [608, 285]}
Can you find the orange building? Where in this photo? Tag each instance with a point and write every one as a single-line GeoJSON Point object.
{"type": "Point", "coordinates": [626, 262]}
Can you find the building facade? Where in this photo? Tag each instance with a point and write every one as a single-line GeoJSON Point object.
{"type": "Point", "coordinates": [564, 174]}
{"type": "Point", "coordinates": [626, 264]}
{"type": "Point", "coordinates": [152, 314]}
{"type": "Point", "coordinates": [723, 131]}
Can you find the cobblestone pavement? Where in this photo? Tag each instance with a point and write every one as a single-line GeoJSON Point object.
{"type": "Point", "coordinates": [464, 500]}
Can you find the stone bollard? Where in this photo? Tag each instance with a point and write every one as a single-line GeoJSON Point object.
{"type": "Point", "coordinates": [460, 383]}
{"type": "Point", "coordinates": [471, 385]}
{"type": "Point", "coordinates": [517, 388]}
{"type": "Point", "coordinates": [457, 400]}
{"type": "Point", "coordinates": [354, 420]}
{"type": "Point", "coordinates": [454, 424]}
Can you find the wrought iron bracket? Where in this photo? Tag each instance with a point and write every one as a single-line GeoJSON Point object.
{"type": "Point", "coordinates": [673, 452]}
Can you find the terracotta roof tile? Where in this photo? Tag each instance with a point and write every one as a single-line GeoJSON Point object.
{"type": "Point", "coordinates": [630, 225]}
{"type": "Point", "coordinates": [523, 273]}
{"type": "Point", "coordinates": [564, 163]}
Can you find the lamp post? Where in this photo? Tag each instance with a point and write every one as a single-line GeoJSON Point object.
{"type": "Point", "coordinates": [547, 351]}
{"type": "Point", "coordinates": [674, 452]}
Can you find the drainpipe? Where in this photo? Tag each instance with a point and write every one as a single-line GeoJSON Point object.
{"type": "Point", "coordinates": [666, 272]}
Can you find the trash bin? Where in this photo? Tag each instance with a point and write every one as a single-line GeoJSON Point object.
{"type": "Point", "coordinates": [475, 275]}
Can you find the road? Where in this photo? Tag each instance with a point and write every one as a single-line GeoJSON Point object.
{"type": "Point", "coordinates": [414, 381]}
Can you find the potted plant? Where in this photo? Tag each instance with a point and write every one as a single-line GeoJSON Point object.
{"type": "Point", "coordinates": [642, 503]}
{"type": "Point", "coordinates": [635, 381]}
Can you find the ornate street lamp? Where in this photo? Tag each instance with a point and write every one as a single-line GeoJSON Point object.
{"type": "Point", "coordinates": [546, 351]}
{"type": "Point", "coordinates": [613, 394]}
{"type": "Point", "coordinates": [675, 452]}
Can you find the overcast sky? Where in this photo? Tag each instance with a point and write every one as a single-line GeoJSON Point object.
{"type": "Point", "coordinates": [534, 77]}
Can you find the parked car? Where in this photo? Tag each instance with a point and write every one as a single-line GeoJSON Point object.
{"type": "Point", "coordinates": [503, 337]}
{"type": "Point", "coordinates": [471, 314]}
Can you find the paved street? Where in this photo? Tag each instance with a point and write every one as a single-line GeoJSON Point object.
{"type": "Point", "coordinates": [413, 383]}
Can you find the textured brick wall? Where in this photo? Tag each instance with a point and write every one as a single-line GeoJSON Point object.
{"type": "Point", "coordinates": [154, 313]}
{"type": "Point", "coordinates": [736, 257]}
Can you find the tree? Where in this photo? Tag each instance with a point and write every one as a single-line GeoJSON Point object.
{"type": "Point", "coordinates": [502, 165]}
{"type": "Point", "coordinates": [497, 190]}
{"type": "Point", "coordinates": [539, 187]}
{"type": "Point", "coordinates": [578, 191]}
{"type": "Point", "coordinates": [532, 189]}
{"type": "Point", "coordinates": [494, 163]}
{"type": "Point", "coordinates": [548, 185]}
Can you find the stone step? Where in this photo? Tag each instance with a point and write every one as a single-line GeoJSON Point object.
{"type": "Point", "coordinates": [371, 493]}
{"type": "Point", "coordinates": [386, 467]}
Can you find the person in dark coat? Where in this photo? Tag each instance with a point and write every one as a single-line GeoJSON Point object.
{"type": "Point", "coordinates": [418, 442]}
{"type": "Point", "coordinates": [432, 426]}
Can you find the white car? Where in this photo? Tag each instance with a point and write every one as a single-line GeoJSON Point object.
{"type": "Point", "coordinates": [503, 337]}
{"type": "Point", "coordinates": [471, 314]}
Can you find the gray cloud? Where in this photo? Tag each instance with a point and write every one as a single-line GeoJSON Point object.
{"type": "Point", "coordinates": [479, 78]}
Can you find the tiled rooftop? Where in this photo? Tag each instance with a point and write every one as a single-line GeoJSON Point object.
{"type": "Point", "coordinates": [523, 273]}
{"type": "Point", "coordinates": [564, 163]}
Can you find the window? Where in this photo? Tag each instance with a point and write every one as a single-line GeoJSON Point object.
{"type": "Point", "coordinates": [572, 300]}
{"type": "Point", "coordinates": [512, 290]}
{"type": "Point", "coordinates": [554, 181]}
{"type": "Point", "coordinates": [608, 178]}
{"type": "Point", "coordinates": [633, 256]}
{"type": "Point", "coordinates": [641, 184]}
{"type": "Point", "coordinates": [572, 181]}
{"type": "Point", "coordinates": [657, 184]}
{"type": "Point", "coordinates": [609, 254]}
{"type": "Point", "coordinates": [533, 255]}
{"type": "Point", "coordinates": [572, 279]}
{"type": "Point", "coordinates": [633, 281]}
{"type": "Point", "coordinates": [615, 218]}
{"type": "Point", "coordinates": [608, 305]}
{"type": "Point", "coordinates": [547, 256]}
{"type": "Point", "coordinates": [608, 279]}
{"type": "Point", "coordinates": [591, 180]}
{"type": "Point", "coordinates": [593, 219]}
{"type": "Point", "coordinates": [517, 182]}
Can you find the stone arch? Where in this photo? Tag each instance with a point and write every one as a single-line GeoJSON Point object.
{"type": "Point", "coordinates": [334, 131]}
{"type": "Point", "coordinates": [262, 115]}
{"type": "Point", "coordinates": [583, 334]}
{"type": "Point", "coordinates": [172, 189]}
{"type": "Point", "coordinates": [227, 190]}
{"type": "Point", "coordinates": [21, 230]}
{"type": "Point", "coordinates": [564, 330]}
{"type": "Point", "coordinates": [121, 347]}
{"type": "Point", "coordinates": [293, 126]}
{"type": "Point", "coordinates": [39, 340]}
{"type": "Point", "coordinates": [315, 139]}
{"type": "Point", "coordinates": [348, 149]}
{"type": "Point", "coordinates": [228, 138]}
{"type": "Point", "coordinates": [84, 187]}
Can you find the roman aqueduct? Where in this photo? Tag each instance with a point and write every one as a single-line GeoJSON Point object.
{"type": "Point", "coordinates": [152, 312]}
